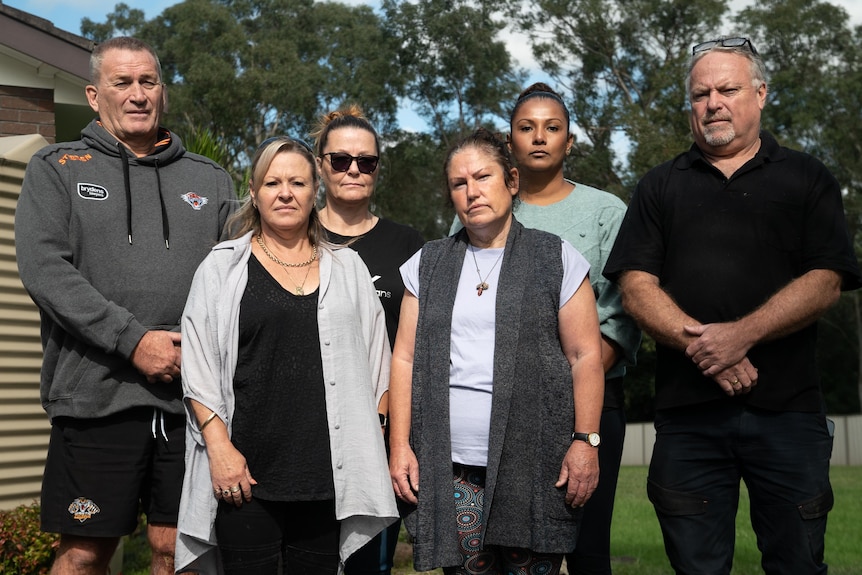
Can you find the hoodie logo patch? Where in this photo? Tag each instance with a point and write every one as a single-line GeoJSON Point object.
{"type": "Point", "coordinates": [92, 191]}
{"type": "Point", "coordinates": [194, 200]}
{"type": "Point", "coordinates": [83, 509]}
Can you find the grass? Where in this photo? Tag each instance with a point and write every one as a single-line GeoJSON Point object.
{"type": "Point", "coordinates": [636, 543]}
{"type": "Point", "coordinates": [637, 548]}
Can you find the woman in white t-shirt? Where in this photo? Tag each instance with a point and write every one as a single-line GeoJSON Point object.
{"type": "Point", "coordinates": [496, 375]}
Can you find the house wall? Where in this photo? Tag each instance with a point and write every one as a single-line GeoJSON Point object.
{"type": "Point", "coordinates": [24, 427]}
{"type": "Point", "coordinates": [27, 111]}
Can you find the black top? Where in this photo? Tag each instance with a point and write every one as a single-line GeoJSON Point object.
{"type": "Point", "coordinates": [280, 423]}
{"type": "Point", "coordinates": [384, 248]}
{"type": "Point", "coordinates": [721, 247]}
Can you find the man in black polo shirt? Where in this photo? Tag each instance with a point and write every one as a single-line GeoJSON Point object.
{"type": "Point", "coordinates": [727, 256]}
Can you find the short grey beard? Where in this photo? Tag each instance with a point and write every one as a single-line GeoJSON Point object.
{"type": "Point", "coordinates": [719, 138]}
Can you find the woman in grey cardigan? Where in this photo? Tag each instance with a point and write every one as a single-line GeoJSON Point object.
{"type": "Point", "coordinates": [285, 359]}
{"type": "Point", "coordinates": [496, 379]}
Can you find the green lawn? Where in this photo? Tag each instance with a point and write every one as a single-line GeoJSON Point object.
{"type": "Point", "coordinates": [636, 543]}
{"type": "Point", "coordinates": [637, 548]}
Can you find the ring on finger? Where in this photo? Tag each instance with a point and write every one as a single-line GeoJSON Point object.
{"type": "Point", "coordinates": [234, 489]}
{"type": "Point", "coordinates": [225, 493]}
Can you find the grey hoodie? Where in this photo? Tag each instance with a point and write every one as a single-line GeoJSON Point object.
{"type": "Point", "coordinates": [107, 245]}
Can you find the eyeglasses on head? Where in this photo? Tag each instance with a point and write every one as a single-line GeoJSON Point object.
{"type": "Point", "coordinates": [724, 43]}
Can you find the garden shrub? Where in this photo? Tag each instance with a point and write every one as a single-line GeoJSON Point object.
{"type": "Point", "coordinates": [24, 548]}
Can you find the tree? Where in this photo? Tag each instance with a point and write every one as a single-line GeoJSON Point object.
{"type": "Point", "coordinates": [814, 62]}
{"type": "Point", "coordinates": [458, 72]}
{"type": "Point", "coordinates": [123, 21]}
{"type": "Point", "coordinates": [622, 63]}
{"type": "Point", "coordinates": [411, 187]}
{"type": "Point", "coordinates": [250, 69]}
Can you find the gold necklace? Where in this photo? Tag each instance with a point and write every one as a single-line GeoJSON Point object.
{"type": "Point", "coordinates": [272, 256]}
{"type": "Point", "coordinates": [483, 284]}
{"type": "Point", "coordinates": [299, 288]}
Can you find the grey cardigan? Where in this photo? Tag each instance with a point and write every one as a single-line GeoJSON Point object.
{"type": "Point", "coordinates": [532, 413]}
{"type": "Point", "coordinates": [356, 357]}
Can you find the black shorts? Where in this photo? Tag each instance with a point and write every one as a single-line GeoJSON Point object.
{"type": "Point", "coordinates": [101, 473]}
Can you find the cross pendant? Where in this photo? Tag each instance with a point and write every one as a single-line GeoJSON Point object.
{"type": "Point", "coordinates": [481, 287]}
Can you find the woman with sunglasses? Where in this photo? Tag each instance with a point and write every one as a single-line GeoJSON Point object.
{"type": "Point", "coordinates": [589, 218]}
{"type": "Point", "coordinates": [348, 152]}
{"type": "Point", "coordinates": [285, 361]}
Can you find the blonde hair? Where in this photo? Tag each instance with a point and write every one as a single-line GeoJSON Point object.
{"type": "Point", "coordinates": [247, 218]}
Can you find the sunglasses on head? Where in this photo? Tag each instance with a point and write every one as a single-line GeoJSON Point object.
{"type": "Point", "coordinates": [724, 43]}
{"type": "Point", "coordinates": [341, 162]}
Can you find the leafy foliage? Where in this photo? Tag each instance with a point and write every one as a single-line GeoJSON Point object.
{"type": "Point", "coordinates": [123, 21]}
{"type": "Point", "coordinates": [244, 70]}
{"type": "Point", "coordinates": [457, 70]}
{"type": "Point", "coordinates": [622, 63]}
{"type": "Point", "coordinates": [247, 70]}
{"type": "Point", "coordinates": [24, 548]}
{"type": "Point", "coordinates": [411, 187]}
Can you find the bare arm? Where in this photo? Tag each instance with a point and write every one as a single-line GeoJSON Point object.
{"type": "Point", "coordinates": [795, 306]}
{"type": "Point", "coordinates": [654, 310]}
{"type": "Point", "coordinates": [610, 353]}
{"type": "Point", "coordinates": [658, 315]}
{"type": "Point", "coordinates": [403, 466]}
{"type": "Point", "coordinates": [582, 345]}
{"type": "Point", "coordinates": [227, 465]}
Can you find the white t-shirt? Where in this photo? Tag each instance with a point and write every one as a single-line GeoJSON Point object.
{"type": "Point", "coordinates": [471, 356]}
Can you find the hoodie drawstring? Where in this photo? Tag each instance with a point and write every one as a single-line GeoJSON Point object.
{"type": "Point", "coordinates": [159, 423]}
{"type": "Point", "coordinates": [126, 181]}
{"type": "Point", "coordinates": [166, 231]}
{"type": "Point", "coordinates": [125, 158]}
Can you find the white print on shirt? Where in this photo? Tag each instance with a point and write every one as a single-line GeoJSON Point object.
{"type": "Point", "coordinates": [381, 293]}
{"type": "Point", "coordinates": [92, 191]}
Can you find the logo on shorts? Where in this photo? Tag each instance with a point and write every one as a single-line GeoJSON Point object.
{"type": "Point", "coordinates": [83, 509]}
{"type": "Point", "coordinates": [194, 200]}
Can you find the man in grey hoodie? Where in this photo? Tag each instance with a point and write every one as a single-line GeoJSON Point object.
{"type": "Point", "coordinates": [109, 232]}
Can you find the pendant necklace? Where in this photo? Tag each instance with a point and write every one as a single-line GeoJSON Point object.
{"type": "Point", "coordinates": [300, 288]}
{"type": "Point", "coordinates": [483, 284]}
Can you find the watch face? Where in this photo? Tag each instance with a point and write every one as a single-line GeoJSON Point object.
{"type": "Point", "coordinates": [594, 439]}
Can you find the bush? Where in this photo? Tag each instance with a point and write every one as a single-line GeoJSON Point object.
{"type": "Point", "coordinates": [24, 549]}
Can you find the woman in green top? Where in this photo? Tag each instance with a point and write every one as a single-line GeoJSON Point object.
{"type": "Point", "coordinates": [589, 219]}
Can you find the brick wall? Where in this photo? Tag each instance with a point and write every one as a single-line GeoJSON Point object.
{"type": "Point", "coordinates": [27, 111]}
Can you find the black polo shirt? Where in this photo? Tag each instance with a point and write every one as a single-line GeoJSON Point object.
{"type": "Point", "coordinates": [722, 246]}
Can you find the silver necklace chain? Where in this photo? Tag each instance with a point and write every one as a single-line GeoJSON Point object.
{"type": "Point", "coordinates": [483, 286]}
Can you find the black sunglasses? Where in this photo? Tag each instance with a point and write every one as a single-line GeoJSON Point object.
{"type": "Point", "coordinates": [724, 43]}
{"type": "Point", "coordinates": [341, 162]}
{"type": "Point", "coordinates": [302, 143]}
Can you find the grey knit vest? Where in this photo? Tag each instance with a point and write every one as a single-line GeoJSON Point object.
{"type": "Point", "coordinates": [532, 414]}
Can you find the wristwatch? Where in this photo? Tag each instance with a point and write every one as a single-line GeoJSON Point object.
{"type": "Point", "coordinates": [593, 438]}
